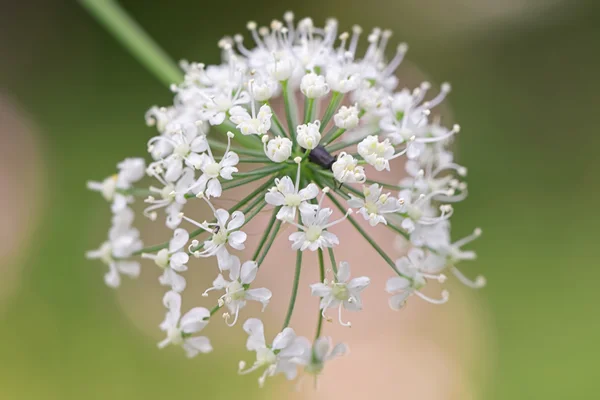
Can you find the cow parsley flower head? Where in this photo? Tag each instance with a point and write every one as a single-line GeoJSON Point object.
{"type": "Point", "coordinates": [292, 110]}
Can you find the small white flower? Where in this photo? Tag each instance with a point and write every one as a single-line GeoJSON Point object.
{"type": "Point", "coordinates": [346, 118]}
{"type": "Point", "coordinates": [314, 357]}
{"type": "Point", "coordinates": [131, 170]}
{"type": "Point", "coordinates": [237, 291]}
{"type": "Point", "coordinates": [264, 89]}
{"type": "Point", "coordinates": [209, 183]}
{"type": "Point", "coordinates": [170, 196]}
{"type": "Point", "coordinates": [342, 80]}
{"type": "Point", "coordinates": [223, 233]}
{"type": "Point", "coordinates": [376, 153]}
{"type": "Point", "coordinates": [172, 260]}
{"type": "Point", "coordinates": [341, 292]}
{"type": "Point", "coordinates": [375, 204]}
{"type": "Point", "coordinates": [180, 329]}
{"type": "Point", "coordinates": [308, 135]}
{"type": "Point", "coordinates": [184, 146]}
{"type": "Point", "coordinates": [291, 198]}
{"type": "Point", "coordinates": [313, 233]}
{"type": "Point", "coordinates": [278, 149]}
{"type": "Point", "coordinates": [252, 124]}
{"type": "Point", "coordinates": [314, 86]}
{"type": "Point", "coordinates": [282, 66]}
{"type": "Point", "coordinates": [346, 169]}
{"type": "Point", "coordinates": [277, 358]}
{"type": "Point", "coordinates": [419, 212]}
{"type": "Point", "coordinates": [123, 241]}
{"type": "Point", "coordinates": [413, 279]}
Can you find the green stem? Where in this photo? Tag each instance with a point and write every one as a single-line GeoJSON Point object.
{"type": "Point", "coordinates": [309, 110]}
{"type": "Point", "coordinates": [265, 235]}
{"type": "Point", "coordinates": [290, 310]}
{"type": "Point", "coordinates": [261, 171]}
{"type": "Point", "coordinates": [322, 276]}
{"type": "Point", "coordinates": [116, 20]}
{"type": "Point", "coordinates": [360, 230]}
{"type": "Point", "coordinates": [255, 161]}
{"type": "Point", "coordinates": [333, 263]}
{"type": "Point", "coordinates": [277, 128]}
{"type": "Point", "coordinates": [239, 182]}
{"type": "Point", "coordinates": [336, 99]}
{"type": "Point", "coordinates": [332, 135]}
{"type": "Point", "coordinates": [270, 242]}
{"type": "Point", "coordinates": [247, 152]}
{"type": "Point", "coordinates": [290, 109]}
{"type": "Point", "coordinates": [249, 141]}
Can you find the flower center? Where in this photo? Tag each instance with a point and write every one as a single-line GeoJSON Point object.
{"type": "Point", "coordinates": [166, 192]}
{"type": "Point", "coordinates": [174, 335]}
{"type": "Point", "coordinates": [293, 200]}
{"type": "Point", "coordinates": [106, 253]}
{"type": "Point", "coordinates": [182, 150]}
{"type": "Point", "coordinates": [313, 233]}
{"type": "Point", "coordinates": [212, 169]}
{"type": "Point", "coordinates": [371, 207]}
{"type": "Point", "coordinates": [235, 291]}
{"type": "Point", "coordinates": [162, 258]}
{"type": "Point", "coordinates": [220, 237]}
{"type": "Point", "coordinates": [414, 213]}
{"type": "Point", "coordinates": [109, 187]}
{"type": "Point", "coordinates": [265, 356]}
{"type": "Point", "coordinates": [340, 291]}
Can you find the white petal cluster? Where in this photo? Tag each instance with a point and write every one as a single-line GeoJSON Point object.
{"type": "Point", "coordinates": [299, 112]}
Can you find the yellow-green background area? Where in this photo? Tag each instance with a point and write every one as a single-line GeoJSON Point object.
{"type": "Point", "coordinates": [527, 96]}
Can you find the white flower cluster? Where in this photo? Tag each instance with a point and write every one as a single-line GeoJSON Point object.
{"type": "Point", "coordinates": [353, 119]}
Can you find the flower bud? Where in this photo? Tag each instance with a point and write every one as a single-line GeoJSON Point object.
{"type": "Point", "coordinates": [278, 149]}
{"type": "Point", "coordinates": [346, 117]}
{"type": "Point", "coordinates": [347, 170]}
{"type": "Point", "coordinates": [313, 86]}
{"type": "Point", "coordinates": [308, 135]}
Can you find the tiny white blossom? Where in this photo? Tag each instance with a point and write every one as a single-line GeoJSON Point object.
{"type": "Point", "coordinates": [172, 260]}
{"type": "Point", "coordinates": [313, 232]}
{"type": "Point", "coordinates": [180, 329]}
{"type": "Point", "coordinates": [255, 124]}
{"type": "Point", "coordinates": [223, 233]}
{"type": "Point", "coordinates": [282, 66]}
{"type": "Point", "coordinates": [346, 117]}
{"type": "Point", "coordinates": [131, 170]}
{"type": "Point", "coordinates": [308, 135]}
{"type": "Point", "coordinates": [341, 292]}
{"type": "Point", "coordinates": [342, 80]}
{"type": "Point", "coordinates": [277, 358]}
{"type": "Point", "coordinates": [376, 153]}
{"type": "Point", "coordinates": [278, 149]}
{"type": "Point", "coordinates": [314, 86]}
{"type": "Point", "coordinates": [413, 279]}
{"type": "Point", "coordinates": [346, 169]}
{"type": "Point", "coordinates": [237, 290]}
{"type": "Point", "coordinates": [321, 351]}
{"type": "Point", "coordinates": [375, 204]}
{"type": "Point", "coordinates": [291, 198]}
{"type": "Point", "coordinates": [122, 242]}
{"type": "Point", "coordinates": [209, 183]}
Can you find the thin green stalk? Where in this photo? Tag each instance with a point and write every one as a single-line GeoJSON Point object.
{"type": "Point", "coordinates": [212, 312]}
{"type": "Point", "coordinates": [239, 182]}
{"type": "Point", "coordinates": [322, 279]}
{"type": "Point", "coordinates": [254, 208]}
{"type": "Point", "coordinates": [290, 310]}
{"type": "Point", "coordinates": [265, 235]}
{"type": "Point", "coordinates": [255, 161]}
{"type": "Point", "coordinates": [277, 127]}
{"type": "Point", "coordinates": [261, 171]}
{"type": "Point", "coordinates": [247, 152]}
{"type": "Point", "coordinates": [360, 230]}
{"type": "Point", "coordinates": [309, 110]}
{"type": "Point", "coordinates": [249, 141]}
{"type": "Point", "coordinates": [116, 20]}
{"type": "Point", "coordinates": [269, 243]}
{"type": "Point", "coordinates": [343, 145]}
{"type": "Point", "coordinates": [336, 99]}
{"type": "Point", "coordinates": [289, 101]}
{"type": "Point", "coordinates": [332, 260]}
{"type": "Point", "coordinates": [332, 135]}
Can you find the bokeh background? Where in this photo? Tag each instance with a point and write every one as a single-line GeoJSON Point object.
{"type": "Point", "coordinates": [526, 93]}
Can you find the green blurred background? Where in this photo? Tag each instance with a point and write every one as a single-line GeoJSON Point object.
{"type": "Point", "coordinates": [526, 89]}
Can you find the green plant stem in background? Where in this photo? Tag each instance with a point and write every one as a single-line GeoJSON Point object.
{"type": "Point", "coordinates": [110, 14]}
{"type": "Point", "coordinates": [290, 310]}
{"type": "Point", "coordinates": [266, 234]}
{"type": "Point", "coordinates": [290, 109]}
{"type": "Point", "coordinates": [336, 99]}
{"type": "Point", "coordinates": [322, 276]}
{"type": "Point", "coordinates": [332, 259]}
{"type": "Point", "coordinates": [270, 242]}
